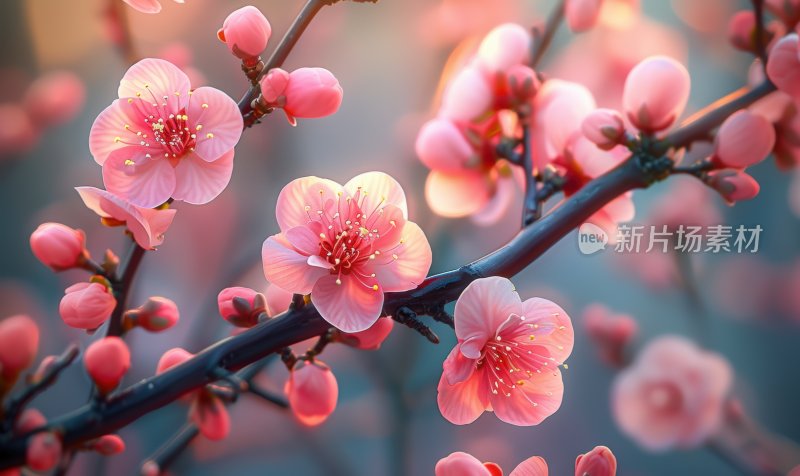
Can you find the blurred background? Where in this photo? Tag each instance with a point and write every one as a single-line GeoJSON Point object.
{"type": "Point", "coordinates": [388, 58]}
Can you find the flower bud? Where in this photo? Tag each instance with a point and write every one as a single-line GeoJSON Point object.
{"type": "Point", "coordinates": [54, 98]}
{"type": "Point", "coordinates": [372, 338]}
{"type": "Point", "coordinates": [107, 361]}
{"type": "Point", "coordinates": [598, 462]}
{"type": "Point", "coordinates": [240, 306]}
{"type": "Point", "coordinates": [742, 31]}
{"type": "Point", "coordinates": [210, 415]}
{"type": "Point", "coordinates": [441, 146]}
{"type": "Point", "coordinates": [783, 65]}
{"type": "Point", "coordinates": [58, 246]}
{"type": "Point", "coordinates": [503, 47]}
{"type": "Point", "coordinates": [155, 315]}
{"type": "Point", "coordinates": [312, 391]}
{"type": "Point", "coordinates": [655, 93]}
{"type": "Point", "coordinates": [273, 87]}
{"type": "Point", "coordinates": [522, 83]}
{"type": "Point", "coordinates": [582, 15]}
{"type": "Point", "coordinates": [30, 420]}
{"type": "Point", "coordinates": [19, 341]}
{"type": "Point", "coordinates": [108, 445]}
{"type": "Point", "coordinates": [744, 139]}
{"type": "Point", "coordinates": [86, 305]}
{"type": "Point", "coordinates": [733, 185]}
{"type": "Point", "coordinates": [604, 127]}
{"type": "Point", "coordinates": [311, 93]}
{"type": "Point", "coordinates": [246, 32]}
{"type": "Point", "coordinates": [44, 451]}
{"type": "Point", "coordinates": [171, 358]}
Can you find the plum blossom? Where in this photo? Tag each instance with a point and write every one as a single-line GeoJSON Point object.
{"type": "Point", "coordinates": [242, 307]}
{"type": "Point", "coordinates": [19, 342]}
{"type": "Point", "coordinates": [507, 356]}
{"type": "Point", "coordinates": [655, 93]}
{"type": "Point", "coordinates": [610, 332]}
{"type": "Point", "coordinates": [43, 452]}
{"type": "Point", "coordinates": [147, 225]}
{"type": "Point", "coordinates": [54, 98]}
{"type": "Point", "coordinates": [672, 396]}
{"type": "Point", "coordinates": [346, 245]}
{"type": "Point", "coordinates": [86, 305]}
{"type": "Point", "coordinates": [598, 462]}
{"type": "Point", "coordinates": [246, 32]}
{"type": "Point", "coordinates": [162, 139]}
{"type": "Point", "coordinates": [148, 6]}
{"type": "Point", "coordinates": [312, 391]}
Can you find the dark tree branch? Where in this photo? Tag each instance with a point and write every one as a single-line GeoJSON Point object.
{"type": "Point", "coordinates": [543, 39]}
{"type": "Point", "coordinates": [122, 288]}
{"type": "Point", "coordinates": [761, 48]}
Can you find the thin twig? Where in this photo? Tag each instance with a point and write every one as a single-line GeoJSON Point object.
{"type": "Point", "coordinates": [122, 288]}
{"type": "Point", "coordinates": [542, 41]}
{"type": "Point", "coordinates": [761, 48]}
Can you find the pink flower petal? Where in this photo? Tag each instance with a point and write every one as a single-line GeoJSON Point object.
{"type": "Point", "coordinates": [379, 189]}
{"type": "Point", "coordinates": [304, 239]}
{"type": "Point", "coordinates": [409, 262]}
{"type": "Point", "coordinates": [145, 6]}
{"type": "Point", "coordinates": [467, 96]}
{"type": "Point", "coordinates": [314, 192]}
{"type": "Point", "coordinates": [582, 15]}
{"type": "Point", "coordinates": [146, 182]}
{"type": "Point", "coordinates": [153, 227]}
{"type": "Point", "coordinates": [529, 404]}
{"type": "Point", "coordinates": [351, 306]}
{"type": "Point", "coordinates": [287, 268]}
{"type": "Point", "coordinates": [463, 402]}
{"type": "Point", "coordinates": [456, 195]}
{"type": "Point", "coordinates": [441, 146]}
{"type": "Point", "coordinates": [457, 368]}
{"type": "Point", "coordinates": [152, 79]}
{"type": "Point", "coordinates": [499, 204]}
{"type": "Point", "coordinates": [220, 119]}
{"type": "Point", "coordinates": [198, 181]}
{"type": "Point", "coordinates": [108, 132]}
{"type": "Point", "coordinates": [505, 46]}
{"type": "Point", "coordinates": [561, 107]}
{"type": "Point", "coordinates": [655, 93]}
{"type": "Point", "coordinates": [484, 306]}
{"type": "Point", "coordinates": [460, 464]}
{"type": "Point", "coordinates": [533, 466]}
{"type": "Point", "coordinates": [554, 327]}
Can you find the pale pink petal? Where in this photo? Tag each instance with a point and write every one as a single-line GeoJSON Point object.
{"type": "Point", "coordinates": [533, 401]}
{"type": "Point", "coordinates": [463, 402]}
{"type": "Point", "coordinates": [157, 221]}
{"type": "Point", "coordinates": [144, 181]}
{"type": "Point", "coordinates": [533, 466]}
{"type": "Point", "coordinates": [582, 15]}
{"type": "Point", "coordinates": [108, 132]}
{"type": "Point", "coordinates": [379, 189]}
{"type": "Point", "coordinates": [278, 300]}
{"type": "Point", "coordinates": [152, 79]}
{"type": "Point", "coordinates": [287, 268]}
{"type": "Point", "coordinates": [783, 65]}
{"type": "Point", "coordinates": [457, 368]}
{"type": "Point", "coordinates": [457, 195]}
{"type": "Point", "coordinates": [304, 239]}
{"type": "Point", "coordinates": [350, 306]}
{"type": "Point", "coordinates": [198, 181]}
{"type": "Point", "coordinates": [410, 261]}
{"type": "Point", "coordinates": [484, 306]}
{"type": "Point", "coordinates": [621, 209]}
{"type": "Point", "coordinates": [145, 6]}
{"type": "Point", "coordinates": [505, 46]}
{"type": "Point", "coordinates": [554, 327]}
{"type": "Point", "coordinates": [561, 108]}
{"type": "Point", "coordinates": [220, 121]}
{"type": "Point", "coordinates": [460, 464]}
{"type": "Point", "coordinates": [467, 96]}
{"type": "Point", "coordinates": [499, 204]}
{"type": "Point", "coordinates": [441, 146]}
{"type": "Point", "coordinates": [313, 192]}
{"type": "Point", "coordinates": [655, 93]}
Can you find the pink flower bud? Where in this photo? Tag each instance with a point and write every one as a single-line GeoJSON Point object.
{"type": "Point", "coordinates": [108, 445]}
{"type": "Point", "coordinates": [19, 341]}
{"type": "Point", "coordinates": [246, 32]}
{"type": "Point", "coordinates": [171, 358]}
{"type": "Point", "coordinates": [210, 415]}
{"type": "Point", "coordinates": [18, 134]}
{"type": "Point", "coordinates": [655, 93]}
{"type": "Point", "coordinates": [783, 65]}
{"type": "Point", "coordinates": [86, 305]}
{"type": "Point", "coordinates": [242, 307]}
{"type": "Point", "coordinates": [741, 30]}
{"type": "Point", "coordinates": [467, 96]}
{"type": "Point", "coordinates": [610, 332]}
{"type": "Point", "coordinates": [522, 83]}
{"type": "Point", "coordinates": [312, 392]}
{"type": "Point", "coordinates": [581, 15]}
{"type": "Point", "coordinates": [441, 146]}
{"type": "Point", "coordinates": [598, 462]}
{"type": "Point", "coordinates": [30, 420]}
{"type": "Point", "coordinates": [278, 300]}
{"type": "Point", "coordinates": [44, 451]}
{"type": "Point", "coordinates": [372, 338]}
{"type": "Point", "coordinates": [311, 93]}
{"type": "Point", "coordinates": [604, 127]}
{"type": "Point", "coordinates": [503, 47]}
{"type": "Point", "coordinates": [744, 139]}
{"type": "Point", "coordinates": [59, 246]}
{"type": "Point", "coordinates": [733, 185]}
{"type": "Point", "coordinates": [107, 361]}
{"type": "Point", "coordinates": [155, 315]}
{"type": "Point", "coordinates": [54, 98]}
{"type": "Point", "coordinates": [273, 86]}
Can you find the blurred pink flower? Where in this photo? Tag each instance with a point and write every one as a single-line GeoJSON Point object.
{"type": "Point", "coordinates": [246, 32]}
{"type": "Point", "coordinates": [107, 360]}
{"type": "Point", "coordinates": [148, 6]}
{"type": "Point", "coordinates": [450, 21]}
{"type": "Point", "coordinates": [581, 15]}
{"type": "Point", "coordinates": [312, 391]}
{"type": "Point", "coordinates": [86, 305]}
{"type": "Point", "coordinates": [610, 332]}
{"type": "Point", "coordinates": [787, 10]}
{"type": "Point", "coordinates": [210, 415]}
{"type": "Point", "coordinates": [685, 202]}
{"type": "Point", "coordinates": [303, 93]}
{"type": "Point", "coordinates": [655, 93]}
{"type": "Point", "coordinates": [147, 225]}
{"type": "Point", "coordinates": [783, 65]}
{"type": "Point", "coordinates": [507, 356]}
{"type": "Point", "coordinates": [54, 98]}
{"type": "Point", "coordinates": [19, 133]}
{"type": "Point", "coordinates": [734, 185]}
{"type": "Point", "coordinates": [58, 246]}
{"type": "Point", "coordinates": [744, 140]}
{"type": "Point", "coordinates": [672, 396]}
{"type": "Point", "coordinates": [44, 451]}
{"type": "Point", "coordinates": [162, 139]}
{"type": "Point", "coordinates": [346, 245]}
{"type": "Point", "coordinates": [19, 342]}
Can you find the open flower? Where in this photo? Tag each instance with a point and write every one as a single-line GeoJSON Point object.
{"type": "Point", "coordinates": [346, 245]}
{"type": "Point", "coordinates": [507, 356]}
{"type": "Point", "coordinates": [146, 224]}
{"type": "Point", "coordinates": [162, 139]}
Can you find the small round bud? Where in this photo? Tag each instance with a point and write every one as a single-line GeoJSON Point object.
{"type": "Point", "coordinates": [655, 93]}
{"type": "Point", "coordinates": [604, 127]}
{"type": "Point", "coordinates": [273, 87]}
{"type": "Point", "coordinates": [744, 139]}
{"type": "Point", "coordinates": [246, 32]}
{"type": "Point", "coordinates": [598, 462]}
{"type": "Point", "coordinates": [108, 445]}
{"type": "Point", "coordinates": [210, 415]}
{"type": "Point", "coordinates": [19, 342]}
{"type": "Point", "coordinates": [172, 358]}
{"type": "Point", "coordinates": [86, 305]}
{"type": "Point", "coordinates": [312, 391]}
{"type": "Point", "coordinates": [44, 451]}
{"type": "Point", "coordinates": [58, 246]}
{"type": "Point", "coordinates": [107, 361]}
{"type": "Point", "coordinates": [312, 93]}
{"type": "Point", "coordinates": [155, 315]}
{"type": "Point", "coordinates": [241, 306]}
{"type": "Point", "coordinates": [503, 47]}
{"type": "Point", "coordinates": [733, 185]}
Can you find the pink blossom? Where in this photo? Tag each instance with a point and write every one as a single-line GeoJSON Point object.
{"type": "Point", "coordinates": [372, 338]}
{"type": "Point", "coordinates": [303, 93]}
{"type": "Point", "coordinates": [54, 98]}
{"type": "Point", "coordinates": [672, 396]}
{"type": "Point", "coordinates": [655, 93]}
{"type": "Point", "coordinates": [744, 139]}
{"type": "Point", "coordinates": [107, 360]}
{"type": "Point", "coordinates": [464, 464]}
{"type": "Point", "coordinates": [507, 356]}
{"type": "Point", "coordinates": [147, 225]}
{"type": "Point", "coordinates": [19, 133]}
{"type": "Point", "coordinates": [467, 96]}
{"type": "Point", "coordinates": [240, 306]}
{"type": "Point", "coordinates": [783, 65]}
{"type": "Point", "coordinates": [610, 332]}
{"type": "Point", "coordinates": [108, 445]}
{"type": "Point", "coordinates": [210, 415]}
{"type": "Point", "coordinates": [505, 46]}
{"type": "Point", "coordinates": [44, 451]}
{"type": "Point", "coordinates": [162, 139]}
{"type": "Point", "coordinates": [346, 245]}
{"type": "Point", "coordinates": [598, 462]}
{"type": "Point", "coordinates": [246, 32]}
{"type": "Point", "coordinates": [733, 185]}
{"type": "Point", "coordinates": [604, 127]}
{"type": "Point", "coordinates": [148, 6]}
{"type": "Point", "coordinates": [442, 146]}
{"type": "Point", "coordinates": [312, 391]}
{"type": "Point", "coordinates": [155, 315]}
{"type": "Point", "coordinates": [581, 15]}
{"type": "Point", "coordinates": [19, 342]}
{"type": "Point", "coordinates": [58, 246]}
{"type": "Point", "coordinates": [86, 305]}
{"type": "Point", "coordinates": [278, 300]}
